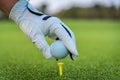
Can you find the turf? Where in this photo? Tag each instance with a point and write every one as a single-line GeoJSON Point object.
{"type": "Point", "coordinates": [98, 44]}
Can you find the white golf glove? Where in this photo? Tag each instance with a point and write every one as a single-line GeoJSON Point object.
{"type": "Point", "coordinates": [37, 25]}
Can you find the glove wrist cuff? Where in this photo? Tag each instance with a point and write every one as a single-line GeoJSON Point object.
{"type": "Point", "coordinates": [18, 10]}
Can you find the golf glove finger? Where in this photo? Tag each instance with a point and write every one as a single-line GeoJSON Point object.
{"type": "Point", "coordinates": [59, 30]}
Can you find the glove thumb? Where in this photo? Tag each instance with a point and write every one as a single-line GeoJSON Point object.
{"type": "Point", "coordinates": [42, 45]}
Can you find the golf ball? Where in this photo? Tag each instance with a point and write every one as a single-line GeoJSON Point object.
{"type": "Point", "coordinates": [58, 49]}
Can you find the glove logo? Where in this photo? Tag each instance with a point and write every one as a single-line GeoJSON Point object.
{"type": "Point", "coordinates": [46, 17]}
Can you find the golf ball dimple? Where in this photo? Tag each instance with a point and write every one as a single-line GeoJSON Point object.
{"type": "Point", "coordinates": [58, 49]}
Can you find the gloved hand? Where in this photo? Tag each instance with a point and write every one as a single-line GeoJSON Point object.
{"type": "Point", "coordinates": [37, 25]}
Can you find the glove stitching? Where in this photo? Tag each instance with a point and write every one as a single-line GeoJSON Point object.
{"type": "Point", "coordinates": [66, 30]}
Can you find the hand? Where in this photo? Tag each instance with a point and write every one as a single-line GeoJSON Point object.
{"type": "Point", "coordinates": [37, 25]}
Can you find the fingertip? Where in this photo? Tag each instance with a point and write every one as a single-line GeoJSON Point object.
{"type": "Point", "coordinates": [73, 50]}
{"type": "Point", "coordinates": [76, 52]}
{"type": "Point", "coordinates": [73, 57]}
{"type": "Point", "coordinates": [47, 54]}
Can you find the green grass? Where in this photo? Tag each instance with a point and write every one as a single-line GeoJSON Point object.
{"type": "Point", "coordinates": [98, 44]}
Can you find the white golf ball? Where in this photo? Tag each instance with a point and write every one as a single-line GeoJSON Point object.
{"type": "Point", "coordinates": [58, 50]}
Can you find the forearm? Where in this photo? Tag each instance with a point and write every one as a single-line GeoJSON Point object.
{"type": "Point", "coordinates": [6, 5]}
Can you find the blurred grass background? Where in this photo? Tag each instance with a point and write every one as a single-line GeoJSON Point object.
{"type": "Point", "coordinates": [98, 43]}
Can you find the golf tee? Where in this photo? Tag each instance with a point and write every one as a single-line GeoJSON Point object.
{"type": "Point", "coordinates": [60, 68]}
